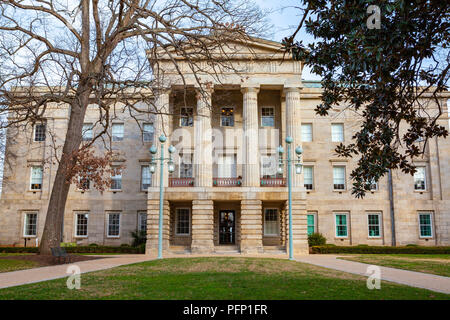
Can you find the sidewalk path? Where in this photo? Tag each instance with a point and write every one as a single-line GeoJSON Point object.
{"type": "Point", "coordinates": [17, 278]}
{"type": "Point", "coordinates": [410, 278]}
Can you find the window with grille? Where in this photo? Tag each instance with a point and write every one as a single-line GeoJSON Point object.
{"type": "Point", "coordinates": [142, 221]}
{"type": "Point", "coordinates": [339, 178]}
{"type": "Point", "coordinates": [425, 225]}
{"type": "Point", "coordinates": [373, 185]}
{"type": "Point", "coordinates": [267, 117]}
{"type": "Point", "coordinates": [148, 132]}
{"type": "Point", "coordinates": [341, 225]}
{"type": "Point", "coordinates": [113, 224]}
{"type": "Point", "coordinates": [81, 229]}
{"type": "Point", "coordinates": [271, 222]}
{"type": "Point", "coordinates": [84, 183]}
{"type": "Point", "coordinates": [39, 132]}
{"type": "Point", "coordinates": [30, 224]}
{"type": "Point", "coordinates": [186, 165]}
{"type": "Point", "coordinates": [36, 178]}
{"type": "Point", "coordinates": [187, 117]}
{"type": "Point", "coordinates": [116, 179]}
{"type": "Point", "coordinates": [87, 132]}
{"type": "Point", "coordinates": [227, 117]}
{"type": "Point", "coordinates": [374, 225]}
{"type": "Point", "coordinates": [337, 132]}
{"type": "Point", "coordinates": [146, 178]}
{"type": "Point", "coordinates": [308, 177]}
{"type": "Point", "coordinates": [311, 223]}
{"type": "Point", "coordinates": [182, 226]}
{"type": "Point", "coordinates": [117, 131]}
{"type": "Point", "coordinates": [420, 179]}
{"type": "Point", "coordinates": [307, 132]}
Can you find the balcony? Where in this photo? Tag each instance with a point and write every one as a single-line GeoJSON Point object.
{"type": "Point", "coordinates": [227, 182]}
{"type": "Point", "coordinates": [273, 182]}
{"type": "Point", "coordinates": [181, 182]}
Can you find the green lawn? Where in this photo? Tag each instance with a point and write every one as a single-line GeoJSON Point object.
{"type": "Point", "coordinates": [7, 265]}
{"type": "Point", "coordinates": [430, 263]}
{"type": "Point", "coordinates": [218, 278]}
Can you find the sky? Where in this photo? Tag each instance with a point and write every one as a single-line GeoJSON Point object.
{"type": "Point", "coordinates": [285, 17]}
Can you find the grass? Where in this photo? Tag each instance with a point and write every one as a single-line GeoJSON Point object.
{"type": "Point", "coordinates": [218, 278]}
{"type": "Point", "coordinates": [438, 264]}
{"type": "Point", "coordinates": [7, 265]}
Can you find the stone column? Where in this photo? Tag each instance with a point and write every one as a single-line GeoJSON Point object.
{"type": "Point", "coordinates": [250, 145]}
{"type": "Point", "coordinates": [293, 127]}
{"type": "Point", "coordinates": [151, 247]}
{"type": "Point", "coordinates": [203, 140]}
{"type": "Point", "coordinates": [299, 227]}
{"type": "Point", "coordinates": [162, 126]}
{"type": "Point", "coordinates": [202, 226]}
{"type": "Point", "coordinates": [251, 226]}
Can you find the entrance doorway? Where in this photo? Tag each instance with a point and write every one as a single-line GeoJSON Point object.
{"type": "Point", "coordinates": [227, 227]}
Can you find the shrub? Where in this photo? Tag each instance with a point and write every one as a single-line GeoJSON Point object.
{"type": "Point", "coordinates": [19, 249]}
{"type": "Point", "coordinates": [380, 249]}
{"type": "Point", "coordinates": [93, 245]}
{"type": "Point", "coordinates": [316, 239]}
{"type": "Point", "coordinates": [125, 245]}
{"type": "Point", "coordinates": [139, 237]}
{"type": "Point", "coordinates": [412, 245]}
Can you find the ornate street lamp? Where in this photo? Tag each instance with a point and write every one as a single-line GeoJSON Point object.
{"type": "Point", "coordinates": [171, 168]}
{"type": "Point", "coordinates": [298, 170]}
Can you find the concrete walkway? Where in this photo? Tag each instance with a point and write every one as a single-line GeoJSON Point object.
{"type": "Point", "coordinates": [409, 278]}
{"type": "Point", "coordinates": [17, 278]}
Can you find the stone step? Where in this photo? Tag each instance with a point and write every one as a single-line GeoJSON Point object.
{"type": "Point", "coordinates": [226, 249]}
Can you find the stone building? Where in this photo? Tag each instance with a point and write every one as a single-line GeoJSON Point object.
{"type": "Point", "coordinates": [226, 193]}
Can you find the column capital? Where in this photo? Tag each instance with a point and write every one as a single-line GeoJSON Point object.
{"type": "Point", "coordinates": [292, 88]}
{"type": "Point", "coordinates": [247, 88]}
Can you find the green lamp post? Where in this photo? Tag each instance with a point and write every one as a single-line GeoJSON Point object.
{"type": "Point", "coordinates": [298, 170]}
{"type": "Point", "coordinates": [171, 168]}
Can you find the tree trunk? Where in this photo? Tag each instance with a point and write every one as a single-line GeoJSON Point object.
{"type": "Point", "coordinates": [52, 234]}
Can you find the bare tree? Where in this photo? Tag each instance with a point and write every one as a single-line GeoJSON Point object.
{"type": "Point", "coordinates": [56, 52]}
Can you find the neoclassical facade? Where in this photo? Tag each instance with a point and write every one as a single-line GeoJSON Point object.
{"type": "Point", "coordinates": [226, 193]}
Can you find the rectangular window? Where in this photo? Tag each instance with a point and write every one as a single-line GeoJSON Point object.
{"type": "Point", "coordinates": [425, 225]}
{"type": "Point", "coordinates": [186, 165]}
{"type": "Point", "coordinates": [142, 221]}
{"type": "Point", "coordinates": [308, 177]}
{"type": "Point", "coordinates": [39, 132]}
{"type": "Point", "coordinates": [146, 178]}
{"type": "Point", "coordinates": [113, 225]}
{"type": "Point", "coordinates": [227, 117]}
{"type": "Point", "coordinates": [148, 132]}
{"type": "Point", "coordinates": [341, 225]}
{"type": "Point", "coordinates": [187, 117]}
{"type": "Point", "coordinates": [339, 178]}
{"type": "Point", "coordinates": [307, 132]}
{"type": "Point", "coordinates": [373, 222]}
{"type": "Point", "coordinates": [81, 225]}
{"type": "Point", "coordinates": [267, 117]}
{"type": "Point", "coordinates": [374, 186]}
{"type": "Point", "coordinates": [117, 131]}
{"type": "Point", "coordinates": [420, 179]}
{"type": "Point", "coordinates": [337, 132]}
{"type": "Point", "coordinates": [87, 132]}
{"type": "Point", "coordinates": [268, 166]}
{"type": "Point", "coordinates": [116, 179]}
{"type": "Point", "coordinates": [182, 225]}
{"type": "Point", "coordinates": [311, 219]}
{"type": "Point", "coordinates": [227, 166]}
{"type": "Point", "coordinates": [30, 225]}
{"type": "Point", "coordinates": [36, 178]}
{"type": "Point", "coordinates": [271, 222]}
{"type": "Point", "coordinates": [84, 183]}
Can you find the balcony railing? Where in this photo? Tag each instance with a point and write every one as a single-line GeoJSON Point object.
{"type": "Point", "coordinates": [181, 182]}
{"type": "Point", "coordinates": [273, 182]}
{"type": "Point", "coordinates": [227, 182]}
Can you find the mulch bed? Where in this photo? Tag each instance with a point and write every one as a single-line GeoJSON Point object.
{"type": "Point", "coordinates": [46, 260]}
